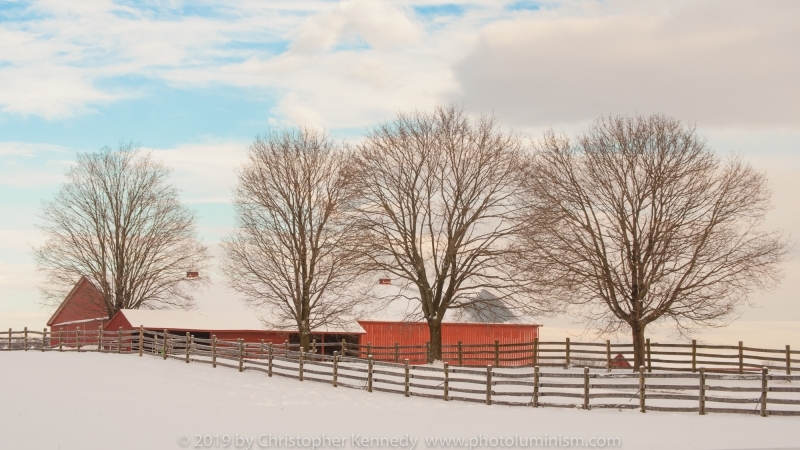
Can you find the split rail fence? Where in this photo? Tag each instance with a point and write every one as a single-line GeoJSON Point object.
{"type": "Point", "coordinates": [554, 380]}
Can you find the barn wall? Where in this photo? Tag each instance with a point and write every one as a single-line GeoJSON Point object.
{"type": "Point", "coordinates": [69, 341]}
{"type": "Point", "coordinates": [83, 302]}
{"type": "Point", "coordinates": [416, 333]}
{"type": "Point", "coordinates": [83, 309]}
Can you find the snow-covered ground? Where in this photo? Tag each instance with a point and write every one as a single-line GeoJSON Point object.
{"type": "Point", "coordinates": [109, 401]}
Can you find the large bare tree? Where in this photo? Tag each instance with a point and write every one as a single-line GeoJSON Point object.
{"type": "Point", "coordinates": [289, 254]}
{"type": "Point", "coordinates": [119, 222]}
{"type": "Point", "coordinates": [637, 221]}
{"type": "Point", "coordinates": [437, 198]}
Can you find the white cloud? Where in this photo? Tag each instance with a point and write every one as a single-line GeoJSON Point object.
{"type": "Point", "coordinates": [204, 172]}
{"type": "Point", "coordinates": [346, 64]}
{"type": "Point", "coordinates": [27, 165]}
{"type": "Point", "coordinates": [351, 63]}
{"type": "Point", "coordinates": [722, 63]}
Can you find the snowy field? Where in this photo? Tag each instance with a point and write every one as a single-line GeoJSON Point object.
{"type": "Point", "coordinates": [109, 401]}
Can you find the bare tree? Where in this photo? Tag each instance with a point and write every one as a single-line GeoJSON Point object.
{"type": "Point", "coordinates": [119, 222]}
{"type": "Point", "coordinates": [638, 221]}
{"type": "Point", "coordinates": [437, 198]}
{"type": "Point", "coordinates": [289, 254]}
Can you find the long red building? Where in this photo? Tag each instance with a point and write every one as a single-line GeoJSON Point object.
{"type": "Point", "coordinates": [84, 309]}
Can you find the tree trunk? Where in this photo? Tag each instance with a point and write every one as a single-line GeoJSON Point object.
{"type": "Point", "coordinates": [637, 331]}
{"type": "Point", "coordinates": [435, 353]}
{"type": "Point", "coordinates": [305, 340]}
{"type": "Point", "coordinates": [304, 330]}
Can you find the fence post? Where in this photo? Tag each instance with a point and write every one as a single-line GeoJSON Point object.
{"type": "Point", "coordinates": [44, 337]}
{"type": "Point", "coordinates": [300, 365]}
{"type": "Point", "coordinates": [187, 347]}
{"type": "Point", "coordinates": [536, 386]}
{"type": "Point", "coordinates": [261, 350]}
{"type": "Point", "coordinates": [119, 340]}
{"type": "Point", "coordinates": [741, 358]}
{"type": "Point", "coordinates": [764, 390]}
{"type": "Point", "coordinates": [694, 355]}
{"type": "Point", "coordinates": [446, 382]}
{"type": "Point", "coordinates": [369, 350]}
{"type": "Point", "coordinates": [397, 353]}
{"type": "Point", "coordinates": [141, 340]}
{"type": "Point", "coordinates": [313, 346]}
{"type": "Point", "coordinates": [77, 339]}
{"type": "Point", "coordinates": [489, 384]}
{"type": "Point", "coordinates": [649, 364]}
{"type": "Point", "coordinates": [497, 353]}
{"type": "Point", "coordinates": [344, 347]}
{"type": "Point", "coordinates": [286, 348]}
{"type": "Point", "coordinates": [566, 364]}
{"type": "Point", "coordinates": [9, 339]}
{"type": "Point", "coordinates": [214, 351]}
{"type": "Point", "coordinates": [241, 355]}
{"type": "Point", "coordinates": [586, 388]}
{"type": "Point", "coordinates": [788, 360]}
{"type": "Point", "coordinates": [269, 359]}
{"type": "Point", "coordinates": [369, 373]}
{"type": "Point", "coordinates": [25, 340]}
{"type": "Point", "coordinates": [100, 338]}
{"type": "Point", "coordinates": [702, 392]}
{"type": "Point", "coordinates": [641, 388]}
{"type": "Point", "coordinates": [535, 350]}
{"type": "Point", "coordinates": [164, 350]}
{"type": "Point", "coordinates": [405, 384]}
{"type": "Point", "coordinates": [427, 351]}
{"type": "Point", "coordinates": [335, 378]}
{"type": "Point", "coordinates": [60, 341]}
{"type": "Point", "coordinates": [608, 355]}
{"type": "Point", "coordinates": [460, 355]}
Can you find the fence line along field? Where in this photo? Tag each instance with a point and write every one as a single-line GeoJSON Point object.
{"type": "Point", "coordinates": [678, 377]}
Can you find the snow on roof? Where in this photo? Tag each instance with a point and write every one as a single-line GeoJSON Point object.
{"type": "Point", "coordinates": [401, 304]}
{"type": "Point", "coordinates": [213, 321]}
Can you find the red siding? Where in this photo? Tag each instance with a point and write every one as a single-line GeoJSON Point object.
{"type": "Point", "coordinates": [82, 309]}
{"type": "Point", "coordinates": [416, 333]}
{"type": "Point", "coordinates": [477, 341]}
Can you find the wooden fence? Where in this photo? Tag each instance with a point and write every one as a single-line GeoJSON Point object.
{"type": "Point", "coordinates": [597, 355]}
{"type": "Point", "coordinates": [653, 388]}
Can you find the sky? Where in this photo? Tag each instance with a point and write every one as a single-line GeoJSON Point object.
{"type": "Point", "coordinates": [195, 82]}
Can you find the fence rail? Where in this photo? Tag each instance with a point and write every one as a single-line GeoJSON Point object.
{"type": "Point", "coordinates": [667, 386]}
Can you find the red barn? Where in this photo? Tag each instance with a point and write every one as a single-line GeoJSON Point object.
{"type": "Point", "coordinates": [225, 326]}
{"type": "Point", "coordinates": [387, 333]}
{"type": "Point", "coordinates": [477, 327]}
{"type": "Point", "coordinates": [82, 309]}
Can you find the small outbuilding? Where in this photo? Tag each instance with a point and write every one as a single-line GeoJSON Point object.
{"type": "Point", "coordinates": [225, 326]}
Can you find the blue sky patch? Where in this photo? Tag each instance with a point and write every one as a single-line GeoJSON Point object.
{"type": "Point", "coordinates": [157, 116]}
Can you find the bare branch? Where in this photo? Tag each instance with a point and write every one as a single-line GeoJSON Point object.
{"type": "Point", "coordinates": [118, 222]}
{"type": "Point", "coordinates": [437, 202]}
{"type": "Point", "coordinates": [637, 221]}
{"type": "Point", "coordinates": [289, 254]}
